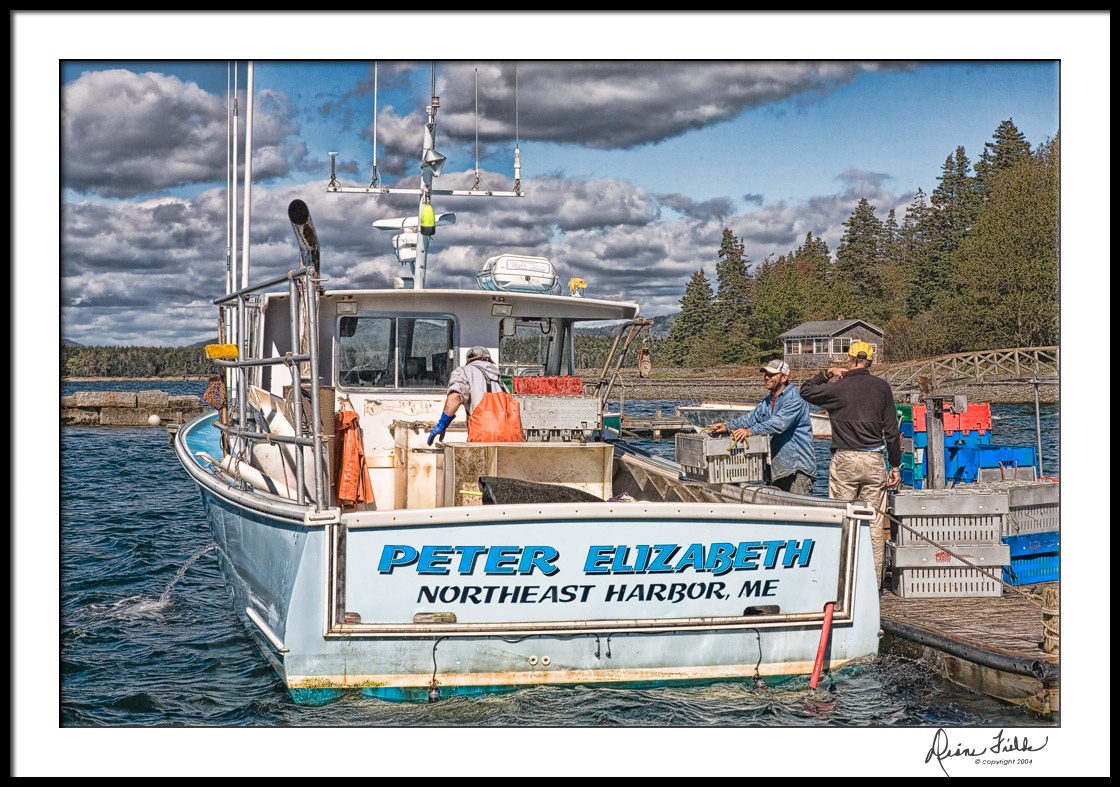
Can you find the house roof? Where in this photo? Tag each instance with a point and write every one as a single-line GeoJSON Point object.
{"type": "Point", "coordinates": [827, 328]}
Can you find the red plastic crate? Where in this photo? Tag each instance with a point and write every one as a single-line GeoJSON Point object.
{"type": "Point", "coordinates": [977, 418]}
{"type": "Point", "coordinates": [563, 386]}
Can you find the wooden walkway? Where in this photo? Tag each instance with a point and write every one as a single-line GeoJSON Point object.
{"type": "Point", "coordinates": [991, 645]}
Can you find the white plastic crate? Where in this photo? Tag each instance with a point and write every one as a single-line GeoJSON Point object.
{"type": "Point", "coordinates": [716, 460]}
{"type": "Point", "coordinates": [944, 583]}
{"type": "Point", "coordinates": [991, 556]}
{"type": "Point", "coordinates": [547, 417]}
{"type": "Point", "coordinates": [1033, 506]}
{"type": "Point", "coordinates": [949, 516]}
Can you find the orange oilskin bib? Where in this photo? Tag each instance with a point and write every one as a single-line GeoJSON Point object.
{"type": "Point", "coordinates": [354, 487]}
{"type": "Point", "coordinates": [496, 419]}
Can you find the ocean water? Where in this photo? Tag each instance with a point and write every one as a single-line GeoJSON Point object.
{"type": "Point", "coordinates": [148, 637]}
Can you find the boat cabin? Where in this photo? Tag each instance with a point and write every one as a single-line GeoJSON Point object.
{"type": "Point", "coordinates": [388, 354]}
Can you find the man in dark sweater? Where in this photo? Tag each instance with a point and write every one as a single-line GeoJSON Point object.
{"type": "Point", "coordinates": [865, 436]}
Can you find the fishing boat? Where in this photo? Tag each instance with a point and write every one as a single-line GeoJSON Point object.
{"type": "Point", "coordinates": [364, 560]}
{"type": "Point", "coordinates": [708, 413]}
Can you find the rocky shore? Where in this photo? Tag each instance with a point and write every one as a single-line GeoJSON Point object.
{"type": "Point", "coordinates": [664, 385]}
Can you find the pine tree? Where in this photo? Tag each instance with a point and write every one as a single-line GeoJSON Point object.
{"type": "Point", "coordinates": [690, 333]}
{"type": "Point", "coordinates": [1010, 147]}
{"type": "Point", "coordinates": [1007, 269]}
{"type": "Point", "coordinates": [733, 302]}
{"type": "Point", "coordinates": [917, 238]}
{"type": "Point", "coordinates": [856, 275]}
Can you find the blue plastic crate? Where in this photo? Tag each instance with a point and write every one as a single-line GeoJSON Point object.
{"type": "Point", "coordinates": [906, 428]}
{"type": "Point", "coordinates": [1025, 570]}
{"type": "Point", "coordinates": [1034, 558]}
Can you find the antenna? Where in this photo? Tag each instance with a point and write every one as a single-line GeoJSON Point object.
{"type": "Point", "coordinates": [516, 138]}
{"type": "Point", "coordinates": [376, 178]}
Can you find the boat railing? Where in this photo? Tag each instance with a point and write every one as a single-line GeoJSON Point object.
{"type": "Point", "coordinates": [610, 377]}
{"type": "Point", "coordinates": [303, 284]}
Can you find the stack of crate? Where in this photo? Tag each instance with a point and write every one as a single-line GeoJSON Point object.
{"type": "Point", "coordinates": [969, 453]}
{"type": "Point", "coordinates": [964, 523]}
{"type": "Point", "coordinates": [1031, 532]}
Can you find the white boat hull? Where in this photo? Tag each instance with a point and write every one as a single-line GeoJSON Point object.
{"type": "Point", "coordinates": [398, 603]}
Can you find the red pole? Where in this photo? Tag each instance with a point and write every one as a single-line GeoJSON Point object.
{"type": "Point", "coordinates": [820, 648]}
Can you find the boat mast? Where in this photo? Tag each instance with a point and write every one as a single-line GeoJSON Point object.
{"type": "Point", "coordinates": [414, 233]}
{"type": "Point", "coordinates": [248, 175]}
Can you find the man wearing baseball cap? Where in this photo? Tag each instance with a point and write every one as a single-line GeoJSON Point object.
{"type": "Point", "coordinates": [785, 417]}
{"type": "Point", "coordinates": [865, 436]}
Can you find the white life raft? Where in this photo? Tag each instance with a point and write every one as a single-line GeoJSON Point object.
{"type": "Point", "coordinates": [513, 273]}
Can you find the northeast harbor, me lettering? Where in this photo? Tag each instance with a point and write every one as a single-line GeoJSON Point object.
{"type": "Point", "coordinates": [717, 559]}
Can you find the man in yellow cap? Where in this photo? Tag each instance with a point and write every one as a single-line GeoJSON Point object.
{"type": "Point", "coordinates": [865, 436]}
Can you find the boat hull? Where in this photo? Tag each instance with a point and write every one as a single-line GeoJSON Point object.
{"type": "Point", "coordinates": [404, 605]}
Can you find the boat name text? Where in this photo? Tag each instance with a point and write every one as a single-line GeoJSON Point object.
{"type": "Point", "coordinates": [717, 559]}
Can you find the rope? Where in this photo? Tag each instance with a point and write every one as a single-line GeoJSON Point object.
{"type": "Point", "coordinates": [911, 530]}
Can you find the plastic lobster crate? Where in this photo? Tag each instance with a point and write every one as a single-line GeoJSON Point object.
{"type": "Point", "coordinates": [1034, 558]}
{"type": "Point", "coordinates": [558, 417]}
{"type": "Point", "coordinates": [717, 460]}
{"type": "Point", "coordinates": [949, 516]}
{"type": "Point", "coordinates": [1033, 506]}
{"type": "Point", "coordinates": [943, 583]}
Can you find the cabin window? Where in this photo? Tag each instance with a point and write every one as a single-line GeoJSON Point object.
{"type": "Point", "coordinates": [821, 346]}
{"type": "Point", "coordinates": [536, 348]}
{"type": "Point", "coordinates": [841, 344]}
{"type": "Point", "coordinates": [395, 352]}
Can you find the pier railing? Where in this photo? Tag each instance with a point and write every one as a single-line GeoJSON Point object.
{"type": "Point", "coordinates": [1019, 364]}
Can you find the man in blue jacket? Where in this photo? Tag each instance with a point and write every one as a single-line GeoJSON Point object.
{"type": "Point", "coordinates": [784, 416]}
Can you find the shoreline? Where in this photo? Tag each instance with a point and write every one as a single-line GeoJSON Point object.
{"type": "Point", "coordinates": [695, 388]}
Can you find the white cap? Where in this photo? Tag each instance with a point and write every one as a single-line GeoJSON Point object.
{"type": "Point", "coordinates": [776, 367]}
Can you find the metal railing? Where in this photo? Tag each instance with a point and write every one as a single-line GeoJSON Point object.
{"type": "Point", "coordinates": [303, 303]}
{"type": "Point", "coordinates": [1017, 364]}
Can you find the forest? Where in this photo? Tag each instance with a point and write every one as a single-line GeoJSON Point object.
{"type": "Point", "coordinates": [974, 265]}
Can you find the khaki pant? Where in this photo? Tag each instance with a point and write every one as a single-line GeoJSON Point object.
{"type": "Point", "coordinates": [862, 475]}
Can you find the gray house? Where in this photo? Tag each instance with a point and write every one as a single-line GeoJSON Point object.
{"type": "Point", "coordinates": [822, 342]}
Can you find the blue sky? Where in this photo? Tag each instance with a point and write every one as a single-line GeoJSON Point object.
{"type": "Point", "coordinates": [632, 167]}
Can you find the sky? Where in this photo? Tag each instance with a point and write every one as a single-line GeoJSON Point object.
{"type": "Point", "coordinates": [632, 168]}
{"type": "Point", "coordinates": [638, 148]}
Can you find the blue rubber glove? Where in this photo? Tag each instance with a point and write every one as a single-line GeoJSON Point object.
{"type": "Point", "coordinates": [440, 428]}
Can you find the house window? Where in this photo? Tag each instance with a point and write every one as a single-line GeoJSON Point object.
{"type": "Point", "coordinates": [820, 346]}
{"type": "Point", "coordinates": [841, 344]}
{"type": "Point", "coordinates": [395, 352]}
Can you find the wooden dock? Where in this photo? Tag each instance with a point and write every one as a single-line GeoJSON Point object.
{"type": "Point", "coordinates": [990, 645]}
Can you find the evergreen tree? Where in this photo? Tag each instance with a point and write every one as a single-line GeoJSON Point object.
{"type": "Point", "coordinates": [917, 238]}
{"type": "Point", "coordinates": [778, 300]}
{"type": "Point", "coordinates": [856, 275]}
{"type": "Point", "coordinates": [892, 273]}
{"type": "Point", "coordinates": [688, 343]}
{"type": "Point", "coordinates": [1010, 147]}
{"type": "Point", "coordinates": [733, 303]}
{"type": "Point", "coordinates": [956, 202]}
{"type": "Point", "coordinates": [1007, 269]}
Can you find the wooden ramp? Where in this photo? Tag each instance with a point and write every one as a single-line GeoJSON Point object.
{"type": "Point", "coordinates": [990, 645]}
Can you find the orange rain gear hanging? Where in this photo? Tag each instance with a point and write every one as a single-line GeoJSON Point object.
{"type": "Point", "coordinates": [354, 487]}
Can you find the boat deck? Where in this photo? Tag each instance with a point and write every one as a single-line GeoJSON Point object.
{"type": "Point", "coordinates": [991, 645]}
